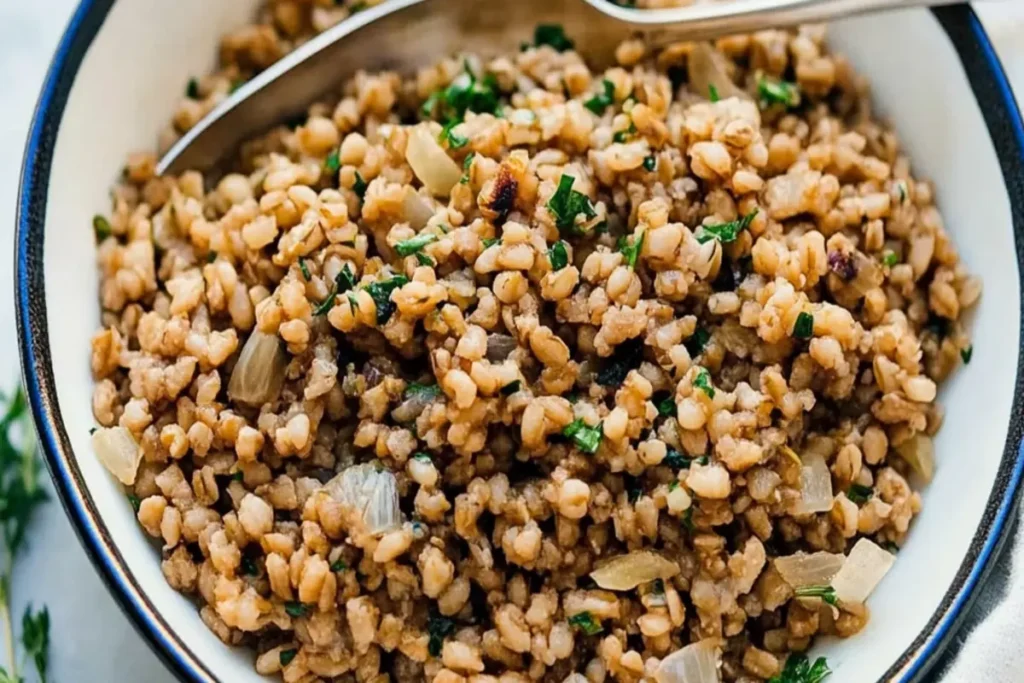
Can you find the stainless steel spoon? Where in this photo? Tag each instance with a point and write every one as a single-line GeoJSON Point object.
{"type": "Point", "coordinates": [404, 34]}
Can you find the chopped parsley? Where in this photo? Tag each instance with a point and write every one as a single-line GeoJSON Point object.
{"type": "Point", "coordinates": [566, 203]}
{"type": "Point", "coordinates": [697, 341]}
{"type": "Point", "coordinates": [344, 281]}
{"type": "Point", "coordinates": [631, 252]}
{"type": "Point", "coordinates": [439, 628]}
{"type": "Point", "coordinates": [889, 258]}
{"type": "Point", "coordinates": [238, 476]}
{"type": "Point", "coordinates": [666, 407]}
{"type": "Point", "coordinates": [101, 226]}
{"type": "Point", "coordinates": [650, 162]}
{"type": "Point", "coordinates": [777, 92]}
{"type": "Point", "coordinates": [688, 520]}
{"type": "Point", "coordinates": [627, 356]}
{"type": "Point", "coordinates": [553, 35]}
{"type": "Point", "coordinates": [465, 93]}
{"type": "Point", "coordinates": [804, 326]}
{"type": "Point", "coordinates": [211, 257]}
{"type": "Point", "coordinates": [414, 244]}
{"type": "Point", "coordinates": [423, 259]}
{"type": "Point", "coordinates": [859, 494]}
{"type": "Point", "coordinates": [338, 566]}
{"type": "Point", "coordinates": [305, 269]}
{"type": "Point", "coordinates": [235, 85]}
{"type": "Point", "coordinates": [332, 163]}
{"type": "Point", "coordinates": [602, 100]}
{"type": "Point", "coordinates": [192, 89]}
{"type": "Point", "coordinates": [511, 388]}
{"type": "Point", "coordinates": [287, 656]}
{"type": "Point", "coordinates": [586, 438]}
{"type": "Point", "coordinates": [712, 92]}
{"type": "Point", "coordinates": [725, 232]}
{"type": "Point", "coordinates": [586, 623]}
{"type": "Point", "coordinates": [966, 353]}
{"type": "Point", "coordinates": [826, 593]}
{"type": "Point", "coordinates": [623, 135]}
{"type": "Point", "coordinates": [891, 547]}
{"type": "Point", "coordinates": [135, 501]}
{"type": "Point", "coordinates": [490, 242]}
{"type": "Point", "coordinates": [901, 186]}
{"type": "Point", "coordinates": [381, 293]}
{"type": "Point", "coordinates": [466, 164]}
{"type": "Point", "coordinates": [454, 140]}
{"type": "Point", "coordinates": [425, 392]}
{"type": "Point", "coordinates": [702, 381]}
{"type": "Point", "coordinates": [296, 609]}
{"type": "Point", "coordinates": [359, 186]}
{"type": "Point", "coordinates": [422, 457]}
{"type": "Point", "coordinates": [678, 461]}
{"type": "Point", "coordinates": [799, 669]}
{"type": "Point", "coordinates": [558, 256]}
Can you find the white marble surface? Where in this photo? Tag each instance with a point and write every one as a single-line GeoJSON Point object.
{"type": "Point", "coordinates": [92, 640]}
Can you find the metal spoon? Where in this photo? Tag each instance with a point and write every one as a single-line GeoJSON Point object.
{"type": "Point", "coordinates": [405, 34]}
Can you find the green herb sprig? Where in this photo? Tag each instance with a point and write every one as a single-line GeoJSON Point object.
{"type": "Point", "coordinates": [799, 669]}
{"type": "Point", "coordinates": [725, 232]}
{"type": "Point", "coordinates": [826, 593]}
{"type": "Point", "coordinates": [566, 203]}
{"type": "Point", "coordinates": [586, 438]}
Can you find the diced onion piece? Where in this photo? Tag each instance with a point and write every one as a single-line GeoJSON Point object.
{"type": "Point", "coordinates": [117, 450]}
{"type": "Point", "coordinates": [919, 452]}
{"type": "Point", "coordinates": [864, 568]}
{"type": "Point", "coordinates": [695, 663]}
{"type": "Point", "coordinates": [369, 495]}
{"type": "Point", "coordinates": [809, 569]}
{"type": "Point", "coordinates": [416, 209]}
{"type": "Point", "coordinates": [626, 572]}
{"type": "Point", "coordinates": [706, 67]}
{"type": "Point", "coordinates": [815, 485]}
{"type": "Point", "coordinates": [259, 373]}
{"type": "Point", "coordinates": [431, 164]}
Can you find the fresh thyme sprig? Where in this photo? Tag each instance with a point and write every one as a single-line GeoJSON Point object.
{"type": "Point", "coordinates": [21, 492]}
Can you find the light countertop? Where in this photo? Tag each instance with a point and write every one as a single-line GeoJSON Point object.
{"type": "Point", "coordinates": [91, 639]}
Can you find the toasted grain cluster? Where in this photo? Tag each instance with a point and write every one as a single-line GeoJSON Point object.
{"type": "Point", "coordinates": [681, 354]}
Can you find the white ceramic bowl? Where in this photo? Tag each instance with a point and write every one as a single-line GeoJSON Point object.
{"type": "Point", "coordinates": [113, 83]}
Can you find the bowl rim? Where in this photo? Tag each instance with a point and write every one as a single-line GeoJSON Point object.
{"type": "Point", "coordinates": [1002, 118]}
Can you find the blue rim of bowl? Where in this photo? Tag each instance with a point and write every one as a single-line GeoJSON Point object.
{"type": "Point", "coordinates": [1002, 117]}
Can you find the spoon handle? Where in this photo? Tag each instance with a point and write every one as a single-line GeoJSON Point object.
{"type": "Point", "coordinates": [707, 19]}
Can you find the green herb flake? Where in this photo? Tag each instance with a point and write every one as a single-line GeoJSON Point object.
{"type": "Point", "coordinates": [901, 187]}
{"type": "Point", "coordinates": [305, 270]}
{"type": "Point", "coordinates": [586, 623]}
{"type": "Point", "coordinates": [586, 438]}
{"type": "Point", "coordinates": [558, 256]}
{"type": "Point", "coordinates": [211, 257]}
{"type": "Point", "coordinates": [296, 609]}
{"type": "Point", "coordinates": [891, 547]}
{"type": "Point", "coordinates": [702, 381]}
{"type": "Point", "coordinates": [712, 92]}
{"type": "Point", "coordinates": [777, 92]}
{"type": "Point", "coordinates": [192, 89]}
{"type": "Point", "coordinates": [826, 593]}
{"type": "Point", "coordinates": [439, 628]}
{"type": "Point", "coordinates": [624, 135]}
{"type": "Point", "coordinates": [238, 476]}
{"type": "Point", "coordinates": [332, 163]}
{"type": "Point", "coordinates": [359, 186]}
{"type": "Point", "coordinates": [338, 566]}
{"type": "Point", "coordinates": [650, 162]}
{"type": "Point", "coordinates": [859, 494]}
{"type": "Point", "coordinates": [235, 85]}
{"type": "Point", "coordinates": [687, 520]}
{"type": "Point", "coordinates": [134, 501]}
{"type": "Point", "coordinates": [423, 259]}
{"type": "Point", "coordinates": [667, 407]}
{"type": "Point", "coordinates": [673, 485]}
{"type": "Point", "coordinates": [414, 244]}
{"type": "Point", "coordinates": [490, 242]}
{"type": "Point", "coordinates": [422, 457]}
{"type": "Point", "coordinates": [101, 226]}
{"type": "Point", "coordinates": [426, 392]}
{"type": "Point", "coordinates": [725, 232]}
{"type": "Point", "coordinates": [449, 136]}
{"type": "Point", "coordinates": [381, 293]}
{"type": "Point", "coordinates": [633, 494]}
{"type": "Point", "coordinates": [804, 326]}
{"type": "Point", "coordinates": [697, 341]}
{"type": "Point", "coordinates": [798, 669]}
{"type": "Point", "coordinates": [511, 388]}
{"type": "Point", "coordinates": [566, 203]}
{"type": "Point", "coordinates": [602, 100]}
{"type": "Point", "coordinates": [631, 252]}
{"type": "Point", "coordinates": [553, 35]}
{"type": "Point", "coordinates": [966, 353]}
{"type": "Point", "coordinates": [287, 656]}
{"type": "Point", "coordinates": [890, 259]}
{"type": "Point", "coordinates": [466, 164]}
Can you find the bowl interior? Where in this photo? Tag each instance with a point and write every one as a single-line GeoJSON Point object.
{"type": "Point", "coordinates": [126, 90]}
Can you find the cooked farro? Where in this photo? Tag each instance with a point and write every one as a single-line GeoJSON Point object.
{"type": "Point", "coordinates": [509, 370]}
